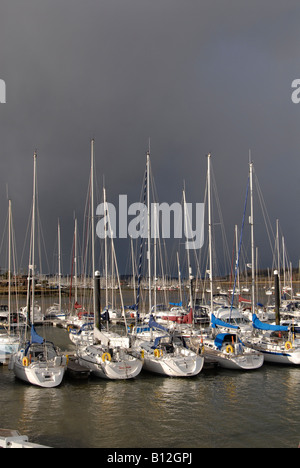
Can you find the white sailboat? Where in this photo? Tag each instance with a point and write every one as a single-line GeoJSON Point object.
{"type": "Point", "coordinates": [277, 343]}
{"type": "Point", "coordinates": [37, 362]}
{"type": "Point", "coordinates": [230, 353]}
{"type": "Point", "coordinates": [36, 313]}
{"type": "Point", "coordinates": [109, 355]}
{"type": "Point", "coordinates": [162, 353]}
{"type": "Point", "coordinates": [9, 342]}
{"type": "Point", "coordinates": [221, 343]}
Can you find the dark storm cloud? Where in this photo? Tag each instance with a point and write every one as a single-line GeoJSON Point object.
{"type": "Point", "coordinates": [195, 76]}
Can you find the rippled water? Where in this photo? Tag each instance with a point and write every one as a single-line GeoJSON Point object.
{"type": "Point", "coordinates": [218, 408]}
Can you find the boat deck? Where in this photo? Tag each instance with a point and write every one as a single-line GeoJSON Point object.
{"type": "Point", "coordinates": [13, 439]}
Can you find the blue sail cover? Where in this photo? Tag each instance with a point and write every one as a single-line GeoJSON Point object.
{"type": "Point", "coordinates": [219, 339]}
{"type": "Point", "coordinates": [153, 324]}
{"type": "Point", "coordinates": [157, 341]}
{"type": "Point", "coordinates": [265, 326]}
{"type": "Point", "coordinates": [35, 338]}
{"type": "Point", "coordinates": [215, 322]}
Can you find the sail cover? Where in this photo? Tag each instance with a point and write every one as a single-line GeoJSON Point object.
{"type": "Point", "coordinates": [153, 324]}
{"type": "Point", "coordinates": [266, 326]}
{"type": "Point", "coordinates": [35, 338]}
{"type": "Point", "coordinates": [219, 339]}
{"type": "Point", "coordinates": [215, 322]}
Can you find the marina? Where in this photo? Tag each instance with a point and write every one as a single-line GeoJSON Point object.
{"type": "Point", "coordinates": [218, 408]}
{"type": "Point", "coordinates": [149, 226]}
{"type": "Point", "coordinates": [83, 344]}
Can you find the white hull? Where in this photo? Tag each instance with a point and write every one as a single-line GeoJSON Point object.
{"type": "Point", "coordinates": [277, 351]}
{"type": "Point", "coordinates": [82, 336]}
{"type": "Point", "coordinates": [9, 345]}
{"type": "Point", "coordinates": [283, 357]}
{"type": "Point", "coordinates": [170, 358]}
{"type": "Point", "coordinates": [238, 362]}
{"type": "Point", "coordinates": [230, 353]}
{"type": "Point", "coordinates": [38, 316]}
{"type": "Point", "coordinates": [174, 366]}
{"type": "Point", "coordinates": [39, 374]}
{"type": "Point", "coordinates": [115, 368]}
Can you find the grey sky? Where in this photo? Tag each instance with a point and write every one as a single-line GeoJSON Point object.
{"type": "Point", "coordinates": [196, 76]}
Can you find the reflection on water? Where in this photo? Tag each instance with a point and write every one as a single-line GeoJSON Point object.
{"type": "Point", "coordinates": [219, 409]}
{"type": "Point", "coordinates": [215, 409]}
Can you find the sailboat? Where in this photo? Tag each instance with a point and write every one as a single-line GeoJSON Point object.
{"type": "Point", "coordinates": [109, 355]}
{"type": "Point", "coordinates": [165, 353]}
{"type": "Point", "coordinates": [223, 346]}
{"type": "Point", "coordinates": [277, 343]}
{"type": "Point", "coordinates": [37, 362]}
{"type": "Point", "coordinates": [9, 342]}
{"type": "Point", "coordinates": [229, 352]}
{"type": "Point", "coordinates": [162, 353]}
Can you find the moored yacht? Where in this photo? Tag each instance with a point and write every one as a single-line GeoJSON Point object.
{"type": "Point", "coordinates": [230, 353]}
{"type": "Point", "coordinates": [109, 356]}
{"type": "Point", "coordinates": [164, 353]}
{"type": "Point", "coordinates": [278, 343]}
{"type": "Point", "coordinates": [39, 362]}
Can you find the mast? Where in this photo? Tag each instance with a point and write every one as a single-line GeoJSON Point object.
{"type": "Point", "coordinates": [97, 294]}
{"type": "Point", "coordinates": [9, 266]}
{"type": "Point", "coordinates": [210, 233]}
{"type": "Point", "coordinates": [252, 240]}
{"type": "Point", "coordinates": [149, 229]}
{"type": "Point", "coordinates": [93, 224]}
{"type": "Point", "coordinates": [237, 257]}
{"type": "Point", "coordinates": [32, 265]}
{"type": "Point", "coordinates": [189, 261]}
{"type": "Point", "coordinates": [59, 267]}
{"type": "Point", "coordinates": [105, 249]}
{"type": "Point", "coordinates": [155, 259]}
{"type": "Point", "coordinates": [75, 258]}
{"type": "Point", "coordinates": [133, 269]}
{"type": "Point", "coordinates": [179, 277]}
{"type": "Point", "coordinates": [141, 253]}
{"type": "Point", "coordinates": [283, 262]}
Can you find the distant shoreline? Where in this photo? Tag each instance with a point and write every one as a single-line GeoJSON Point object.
{"type": "Point", "coordinates": [225, 284]}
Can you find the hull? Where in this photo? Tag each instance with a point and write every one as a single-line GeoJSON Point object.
{"type": "Point", "coordinates": [119, 369]}
{"type": "Point", "coordinates": [230, 353]}
{"type": "Point", "coordinates": [286, 358]}
{"type": "Point", "coordinates": [242, 362]}
{"type": "Point", "coordinates": [277, 352]}
{"type": "Point", "coordinates": [164, 356]}
{"type": "Point", "coordinates": [174, 366]}
{"type": "Point", "coordinates": [8, 347]}
{"type": "Point", "coordinates": [34, 374]}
